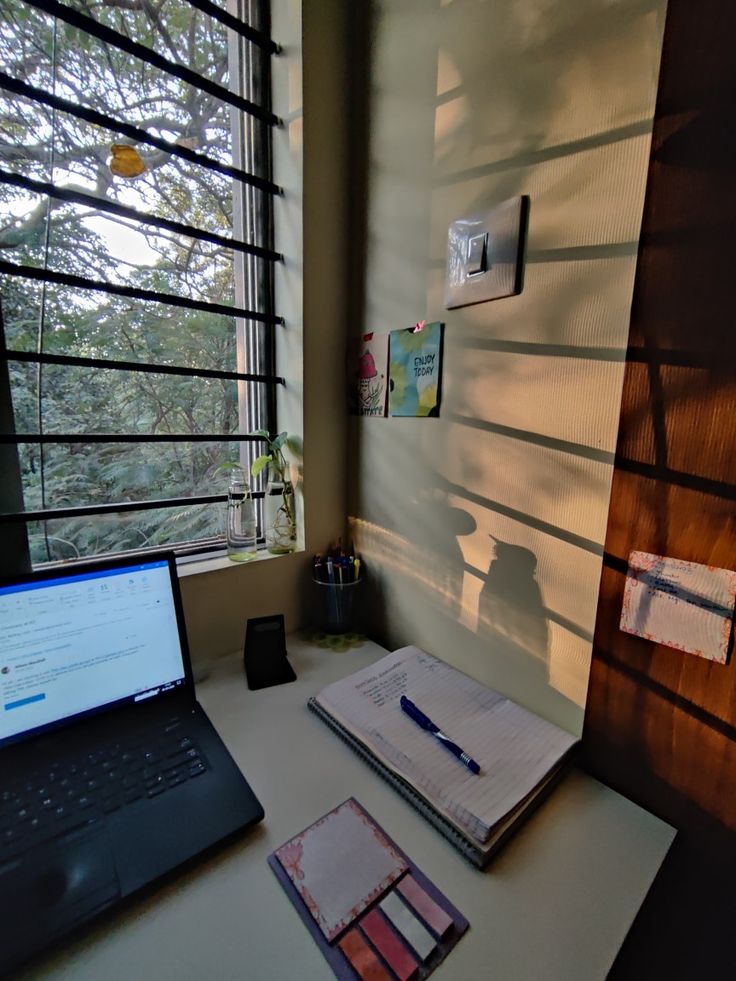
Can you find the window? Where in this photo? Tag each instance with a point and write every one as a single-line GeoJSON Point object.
{"type": "Point", "coordinates": [136, 264]}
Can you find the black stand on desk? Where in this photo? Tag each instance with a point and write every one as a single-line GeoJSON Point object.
{"type": "Point", "coordinates": [264, 656]}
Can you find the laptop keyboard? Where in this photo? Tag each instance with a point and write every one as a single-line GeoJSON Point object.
{"type": "Point", "coordinates": [69, 794]}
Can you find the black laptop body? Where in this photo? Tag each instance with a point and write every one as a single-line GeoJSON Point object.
{"type": "Point", "coordinates": [111, 774]}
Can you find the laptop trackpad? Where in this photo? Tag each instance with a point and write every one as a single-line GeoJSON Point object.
{"type": "Point", "coordinates": [58, 885]}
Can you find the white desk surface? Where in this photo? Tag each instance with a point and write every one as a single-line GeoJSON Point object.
{"type": "Point", "coordinates": [554, 905]}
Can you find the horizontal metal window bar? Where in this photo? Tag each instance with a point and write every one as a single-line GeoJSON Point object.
{"type": "Point", "coordinates": [151, 57]}
{"type": "Point", "coordinates": [134, 133]}
{"type": "Point", "coordinates": [245, 30]}
{"type": "Point", "coordinates": [71, 438]}
{"type": "Point", "coordinates": [114, 208]}
{"type": "Point", "coordinates": [153, 296]}
{"type": "Point", "coordinates": [79, 438]}
{"type": "Point", "coordinates": [188, 552]}
{"type": "Point", "coordinates": [121, 507]}
{"type": "Point", "coordinates": [33, 357]}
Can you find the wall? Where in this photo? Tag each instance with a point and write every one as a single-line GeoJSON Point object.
{"type": "Point", "coordinates": [310, 95]}
{"type": "Point", "coordinates": [483, 530]}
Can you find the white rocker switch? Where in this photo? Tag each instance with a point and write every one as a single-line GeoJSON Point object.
{"type": "Point", "coordinates": [477, 262]}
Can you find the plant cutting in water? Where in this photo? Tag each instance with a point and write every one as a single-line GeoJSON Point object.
{"type": "Point", "coordinates": [281, 524]}
{"type": "Point", "coordinates": [275, 456]}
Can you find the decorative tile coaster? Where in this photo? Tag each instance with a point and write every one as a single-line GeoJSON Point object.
{"type": "Point", "coordinates": [336, 642]}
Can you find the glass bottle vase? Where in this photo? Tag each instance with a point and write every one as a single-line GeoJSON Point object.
{"type": "Point", "coordinates": [279, 513]}
{"type": "Point", "coordinates": [241, 520]}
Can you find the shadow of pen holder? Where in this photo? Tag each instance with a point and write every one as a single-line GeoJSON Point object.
{"type": "Point", "coordinates": [335, 603]}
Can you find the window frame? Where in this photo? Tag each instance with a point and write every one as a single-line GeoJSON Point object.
{"type": "Point", "coordinates": [251, 49]}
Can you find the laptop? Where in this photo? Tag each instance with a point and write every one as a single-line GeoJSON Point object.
{"type": "Point", "coordinates": [111, 774]}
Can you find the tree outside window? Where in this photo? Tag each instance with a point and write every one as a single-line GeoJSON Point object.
{"type": "Point", "coordinates": [45, 144]}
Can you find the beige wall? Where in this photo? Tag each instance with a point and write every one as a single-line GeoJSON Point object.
{"type": "Point", "coordinates": [482, 531]}
{"type": "Point", "coordinates": [310, 95]}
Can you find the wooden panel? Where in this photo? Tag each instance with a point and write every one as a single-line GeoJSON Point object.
{"type": "Point", "coordinates": [661, 725]}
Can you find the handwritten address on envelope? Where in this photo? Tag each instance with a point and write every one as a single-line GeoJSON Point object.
{"type": "Point", "coordinates": [680, 604]}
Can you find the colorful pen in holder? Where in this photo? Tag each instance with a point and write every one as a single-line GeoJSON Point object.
{"type": "Point", "coordinates": [336, 576]}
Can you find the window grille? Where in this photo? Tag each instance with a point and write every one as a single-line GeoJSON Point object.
{"type": "Point", "coordinates": [133, 118]}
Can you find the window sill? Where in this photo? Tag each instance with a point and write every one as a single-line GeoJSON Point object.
{"type": "Point", "coordinates": [197, 565]}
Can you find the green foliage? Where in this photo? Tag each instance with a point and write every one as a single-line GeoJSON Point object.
{"type": "Point", "coordinates": [275, 455]}
{"type": "Point", "coordinates": [83, 241]}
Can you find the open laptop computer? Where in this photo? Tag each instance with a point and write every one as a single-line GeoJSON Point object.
{"type": "Point", "coordinates": [111, 774]}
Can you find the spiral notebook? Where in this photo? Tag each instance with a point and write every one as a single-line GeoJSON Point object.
{"type": "Point", "coordinates": [520, 754]}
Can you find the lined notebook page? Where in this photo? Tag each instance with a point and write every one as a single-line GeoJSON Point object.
{"type": "Point", "coordinates": [516, 749]}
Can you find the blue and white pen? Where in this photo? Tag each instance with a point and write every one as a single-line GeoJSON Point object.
{"type": "Point", "coordinates": [426, 723]}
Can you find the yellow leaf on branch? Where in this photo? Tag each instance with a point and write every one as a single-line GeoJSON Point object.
{"type": "Point", "coordinates": [126, 161]}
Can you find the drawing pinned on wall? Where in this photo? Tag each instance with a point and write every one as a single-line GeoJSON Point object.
{"type": "Point", "coordinates": [367, 375]}
{"type": "Point", "coordinates": [415, 370]}
{"type": "Point", "coordinates": [681, 604]}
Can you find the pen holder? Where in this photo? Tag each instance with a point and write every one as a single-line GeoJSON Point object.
{"type": "Point", "coordinates": [335, 605]}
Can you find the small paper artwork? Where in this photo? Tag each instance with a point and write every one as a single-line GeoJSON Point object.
{"type": "Point", "coordinates": [367, 375]}
{"type": "Point", "coordinates": [681, 604]}
{"type": "Point", "coordinates": [415, 370]}
{"type": "Point", "coordinates": [340, 865]}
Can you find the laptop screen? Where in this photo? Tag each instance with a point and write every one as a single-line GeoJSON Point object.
{"type": "Point", "coordinates": [72, 643]}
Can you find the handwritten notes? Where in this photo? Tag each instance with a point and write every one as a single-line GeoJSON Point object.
{"type": "Point", "coordinates": [680, 604]}
{"type": "Point", "coordinates": [516, 749]}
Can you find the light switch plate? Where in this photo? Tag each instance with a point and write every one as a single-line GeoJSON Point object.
{"type": "Point", "coordinates": [505, 226]}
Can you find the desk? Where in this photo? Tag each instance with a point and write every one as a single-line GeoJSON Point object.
{"type": "Point", "coordinates": [554, 905]}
